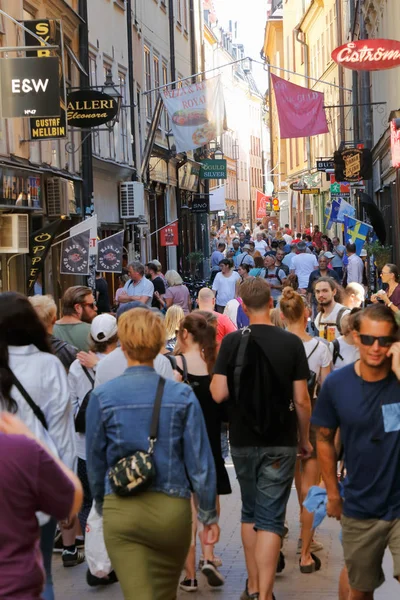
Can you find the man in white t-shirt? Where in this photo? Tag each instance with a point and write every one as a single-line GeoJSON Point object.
{"type": "Point", "coordinates": [260, 244]}
{"type": "Point", "coordinates": [328, 320]}
{"type": "Point", "coordinates": [224, 284]}
{"type": "Point", "coordinates": [303, 265]}
{"type": "Point", "coordinates": [355, 266]}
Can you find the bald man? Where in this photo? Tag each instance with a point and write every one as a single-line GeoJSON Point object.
{"type": "Point", "coordinates": [206, 301]}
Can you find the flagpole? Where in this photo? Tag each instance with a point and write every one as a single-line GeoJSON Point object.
{"type": "Point", "coordinates": [167, 225]}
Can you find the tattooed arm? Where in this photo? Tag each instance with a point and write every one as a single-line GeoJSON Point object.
{"type": "Point", "coordinates": [328, 460]}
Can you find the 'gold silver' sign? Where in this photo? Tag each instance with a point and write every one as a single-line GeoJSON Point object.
{"type": "Point", "coordinates": [90, 108]}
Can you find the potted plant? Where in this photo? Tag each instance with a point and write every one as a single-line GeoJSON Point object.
{"type": "Point", "coordinates": [382, 254]}
{"type": "Point", "coordinates": [194, 259]}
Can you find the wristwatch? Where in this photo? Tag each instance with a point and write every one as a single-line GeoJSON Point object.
{"type": "Point", "coordinates": [390, 304]}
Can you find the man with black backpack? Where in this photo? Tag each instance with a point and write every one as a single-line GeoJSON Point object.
{"type": "Point", "coordinates": [263, 371]}
{"type": "Point", "coordinates": [274, 276]}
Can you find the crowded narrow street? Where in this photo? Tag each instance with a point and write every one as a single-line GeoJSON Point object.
{"type": "Point", "coordinates": [290, 584]}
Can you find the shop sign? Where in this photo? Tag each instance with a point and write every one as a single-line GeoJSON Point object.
{"type": "Point", "coordinates": [201, 203]}
{"type": "Point", "coordinates": [20, 189]}
{"type": "Point", "coordinates": [49, 31]}
{"type": "Point", "coordinates": [169, 235]}
{"type": "Point", "coordinates": [395, 143]}
{"type": "Point", "coordinates": [368, 55]}
{"type": "Point", "coordinates": [90, 108]}
{"type": "Point", "coordinates": [213, 169]}
{"type": "Point", "coordinates": [311, 191]}
{"type": "Point", "coordinates": [352, 164]}
{"type": "Point", "coordinates": [263, 204]}
{"type": "Point", "coordinates": [339, 189]}
{"type": "Point", "coordinates": [39, 246]}
{"type": "Point", "coordinates": [325, 165]}
{"type": "Point", "coordinates": [29, 87]}
{"type": "Point", "coordinates": [275, 204]}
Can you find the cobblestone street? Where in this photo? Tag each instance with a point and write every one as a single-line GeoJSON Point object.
{"type": "Point", "coordinates": [70, 583]}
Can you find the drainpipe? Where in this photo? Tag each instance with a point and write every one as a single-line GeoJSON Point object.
{"type": "Point", "coordinates": [131, 84]}
{"type": "Point", "coordinates": [356, 112]}
{"type": "Point", "coordinates": [87, 163]}
{"type": "Point", "coordinates": [301, 41]}
{"type": "Point", "coordinates": [171, 15]}
{"type": "Point", "coordinates": [339, 33]}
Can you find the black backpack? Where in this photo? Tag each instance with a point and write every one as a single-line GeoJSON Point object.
{"type": "Point", "coordinates": [336, 351]}
{"type": "Point", "coordinates": [312, 378]}
{"type": "Point", "coordinates": [257, 389]}
{"type": "Point", "coordinates": [80, 419]}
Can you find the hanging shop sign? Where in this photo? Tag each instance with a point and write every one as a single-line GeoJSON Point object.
{"type": "Point", "coordinates": [169, 235]}
{"type": "Point", "coordinates": [90, 108]}
{"type": "Point", "coordinates": [263, 204]}
{"type": "Point", "coordinates": [48, 30]}
{"type": "Point", "coordinates": [29, 87]}
{"type": "Point", "coordinates": [110, 253]}
{"type": "Point", "coordinates": [325, 165]}
{"type": "Point", "coordinates": [39, 246]}
{"type": "Point", "coordinates": [201, 203]}
{"type": "Point", "coordinates": [298, 186]}
{"type": "Point", "coordinates": [395, 143]}
{"type": "Point", "coordinates": [339, 189]}
{"type": "Point", "coordinates": [311, 191]}
{"type": "Point", "coordinates": [348, 164]}
{"type": "Point", "coordinates": [213, 169]}
{"type": "Point", "coordinates": [368, 55]}
{"type": "Point", "coordinates": [275, 204]}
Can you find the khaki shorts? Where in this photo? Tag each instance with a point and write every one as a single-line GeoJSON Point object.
{"type": "Point", "coordinates": [364, 544]}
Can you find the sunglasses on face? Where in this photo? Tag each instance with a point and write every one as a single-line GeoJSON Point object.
{"type": "Point", "coordinates": [92, 305]}
{"type": "Point", "coordinates": [384, 341]}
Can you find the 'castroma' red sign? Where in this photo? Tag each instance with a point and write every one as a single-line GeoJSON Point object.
{"type": "Point", "coordinates": [169, 235]}
{"type": "Point", "coordinates": [368, 55]}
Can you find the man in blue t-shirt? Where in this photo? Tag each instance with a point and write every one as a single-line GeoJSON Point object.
{"type": "Point", "coordinates": [363, 401]}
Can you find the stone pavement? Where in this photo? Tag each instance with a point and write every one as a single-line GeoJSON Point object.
{"type": "Point", "coordinates": [70, 584]}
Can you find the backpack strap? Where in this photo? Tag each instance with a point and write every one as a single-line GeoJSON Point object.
{"type": "Point", "coordinates": [172, 360]}
{"type": "Point", "coordinates": [88, 375]}
{"type": "Point", "coordinates": [277, 275]}
{"type": "Point", "coordinates": [184, 369]}
{"type": "Point", "coordinates": [244, 341]}
{"type": "Point", "coordinates": [339, 318]}
{"type": "Point", "coordinates": [336, 351]}
{"type": "Point", "coordinates": [313, 350]}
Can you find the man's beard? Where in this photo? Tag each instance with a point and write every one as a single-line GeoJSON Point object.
{"type": "Point", "coordinates": [85, 318]}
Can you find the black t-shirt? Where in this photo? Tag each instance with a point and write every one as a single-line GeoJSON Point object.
{"type": "Point", "coordinates": [159, 286]}
{"type": "Point", "coordinates": [287, 357]}
{"type": "Point", "coordinates": [103, 300]}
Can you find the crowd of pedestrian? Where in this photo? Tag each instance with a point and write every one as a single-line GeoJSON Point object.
{"type": "Point", "coordinates": [119, 413]}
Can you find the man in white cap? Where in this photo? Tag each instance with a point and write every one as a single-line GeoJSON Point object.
{"type": "Point", "coordinates": [244, 257]}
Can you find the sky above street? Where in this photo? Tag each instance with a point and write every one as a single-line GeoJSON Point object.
{"type": "Point", "coordinates": [251, 19]}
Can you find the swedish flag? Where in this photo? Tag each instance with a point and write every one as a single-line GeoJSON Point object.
{"type": "Point", "coordinates": [356, 232]}
{"type": "Point", "coordinates": [328, 220]}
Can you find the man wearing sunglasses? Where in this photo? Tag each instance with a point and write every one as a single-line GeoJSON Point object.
{"type": "Point", "coordinates": [363, 401]}
{"type": "Point", "coordinates": [78, 310]}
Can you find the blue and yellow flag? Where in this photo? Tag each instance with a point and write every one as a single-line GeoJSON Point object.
{"type": "Point", "coordinates": [356, 232]}
{"type": "Point", "coordinates": [328, 220]}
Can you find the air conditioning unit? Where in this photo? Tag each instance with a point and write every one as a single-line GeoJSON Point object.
{"type": "Point", "coordinates": [58, 196]}
{"type": "Point", "coordinates": [131, 199]}
{"type": "Point", "coordinates": [14, 234]}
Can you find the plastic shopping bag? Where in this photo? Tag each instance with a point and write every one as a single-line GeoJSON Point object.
{"type": "Point", "coordinates": [95, 549]}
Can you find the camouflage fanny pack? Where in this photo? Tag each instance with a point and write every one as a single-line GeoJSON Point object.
{"type": "Point", "coordinates": [135, 473]}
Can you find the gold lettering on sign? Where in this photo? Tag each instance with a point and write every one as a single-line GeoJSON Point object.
{"type": "Point", "coordinates": [352, 165]}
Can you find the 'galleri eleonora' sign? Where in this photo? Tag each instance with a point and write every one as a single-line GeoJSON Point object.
{"type": "Point", "coordinates": [29, 87]}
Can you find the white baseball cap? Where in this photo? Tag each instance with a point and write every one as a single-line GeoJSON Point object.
{"type": "Point", "coordinates": [103, 327]}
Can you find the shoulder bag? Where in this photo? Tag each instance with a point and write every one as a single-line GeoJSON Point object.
{"type": "Point", "coordinates": [135, 473]}
{"type": "Point", "coordinates": [80, 419]}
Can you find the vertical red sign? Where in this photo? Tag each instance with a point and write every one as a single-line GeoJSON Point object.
{"type": "Point", "coordinates": [169, 235]}
{"type": "Point", "coordinates": [395, 144]}
{"type": "Point", "coordinates": [263, 205]}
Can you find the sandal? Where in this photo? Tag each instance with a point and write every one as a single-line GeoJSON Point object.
{"type": "Point", "coordinates": [315, 566]}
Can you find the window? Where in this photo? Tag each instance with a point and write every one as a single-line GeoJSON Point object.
{"type": "Point", "coordinates": [156, 72]}
{"type": "Point", "coordinates": [147, 82]}
{"type": "Point", "coordinates": [93, 82]}
{"type": "Point", "coordinates": [294, 48]}
{"type": "Point", "coordinates": [110, 136]}
{"type": "Point", "coordinates": [185, 15]}
{"type": "Point", "coordinates": [123, 121]}
{"type": "Point", "coordinates": [179, 11]}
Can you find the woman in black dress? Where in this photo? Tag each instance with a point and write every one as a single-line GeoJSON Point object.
{"type": "Point", "coordinates": [197, 343]}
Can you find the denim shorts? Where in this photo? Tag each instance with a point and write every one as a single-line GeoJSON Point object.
{"type": "Point", "coordinates": [265, 476]}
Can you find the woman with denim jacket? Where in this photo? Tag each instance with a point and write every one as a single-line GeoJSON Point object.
{"type": "Point", "coordinates": [148, 536]}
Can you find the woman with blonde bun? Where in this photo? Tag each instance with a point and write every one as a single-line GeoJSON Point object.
{"type": "Point", "coordinates": [295, 314]}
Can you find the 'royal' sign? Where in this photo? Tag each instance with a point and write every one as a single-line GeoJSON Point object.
{"type": "Point", "coordinates": [368, 55]}
{"type": "Point", "coordinates": [90, 108]}
{"type": "Point", "coordinates": [29, 87]}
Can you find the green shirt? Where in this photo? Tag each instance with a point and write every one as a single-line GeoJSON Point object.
{"type": "Point", "coordinates": [76, 334]}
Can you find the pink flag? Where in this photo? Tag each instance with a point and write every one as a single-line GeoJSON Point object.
{"type": "Point", "coordinates": [300, 110]}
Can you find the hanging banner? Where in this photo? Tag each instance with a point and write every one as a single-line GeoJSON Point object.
{"type": "Point", "coordinates": [345, 209]}
{"type": "Point", "coordinates": [110, 252]}
{"type": "Point", "coordinates": [39, 246]}
{"type": "Point", "coordinates": [169, 235]}
{"type": "Point", "coordinates": [263, 204]}
{"type": "Point", "coordinates": [368, 55]}
{"type": "Point", "coordinates": [49, 30]}
{"type": "Point", "coordinates": [29, 87]}
{"type": "Point", "coordinates": [197, 113]}
{"type": "Point", "coordinates": [300, 110]}
{"type": "Point", "coordinates": [75, 254]}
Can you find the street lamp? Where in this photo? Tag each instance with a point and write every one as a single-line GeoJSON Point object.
{"type": "Point", "coordinates": [110, 89]}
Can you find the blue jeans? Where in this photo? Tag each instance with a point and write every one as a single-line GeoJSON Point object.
{"type": "Point", "coordinates": [47, 533]}
{"type": "Point", "coordinates": [265, 476]}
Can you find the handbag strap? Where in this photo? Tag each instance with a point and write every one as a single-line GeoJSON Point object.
{"type": "Point", "coordinates": [244, 340]}
{"type": "Point", "coordinates": [88, 375]}
{"type": "Point", "coordinates": [156, 413]}
{"type": "Point", "coordinates": [35, 408]}
{"type": "Point", "coordinates": [184, 369]}
{"type": "Point", "coordinates": [313, 350]}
